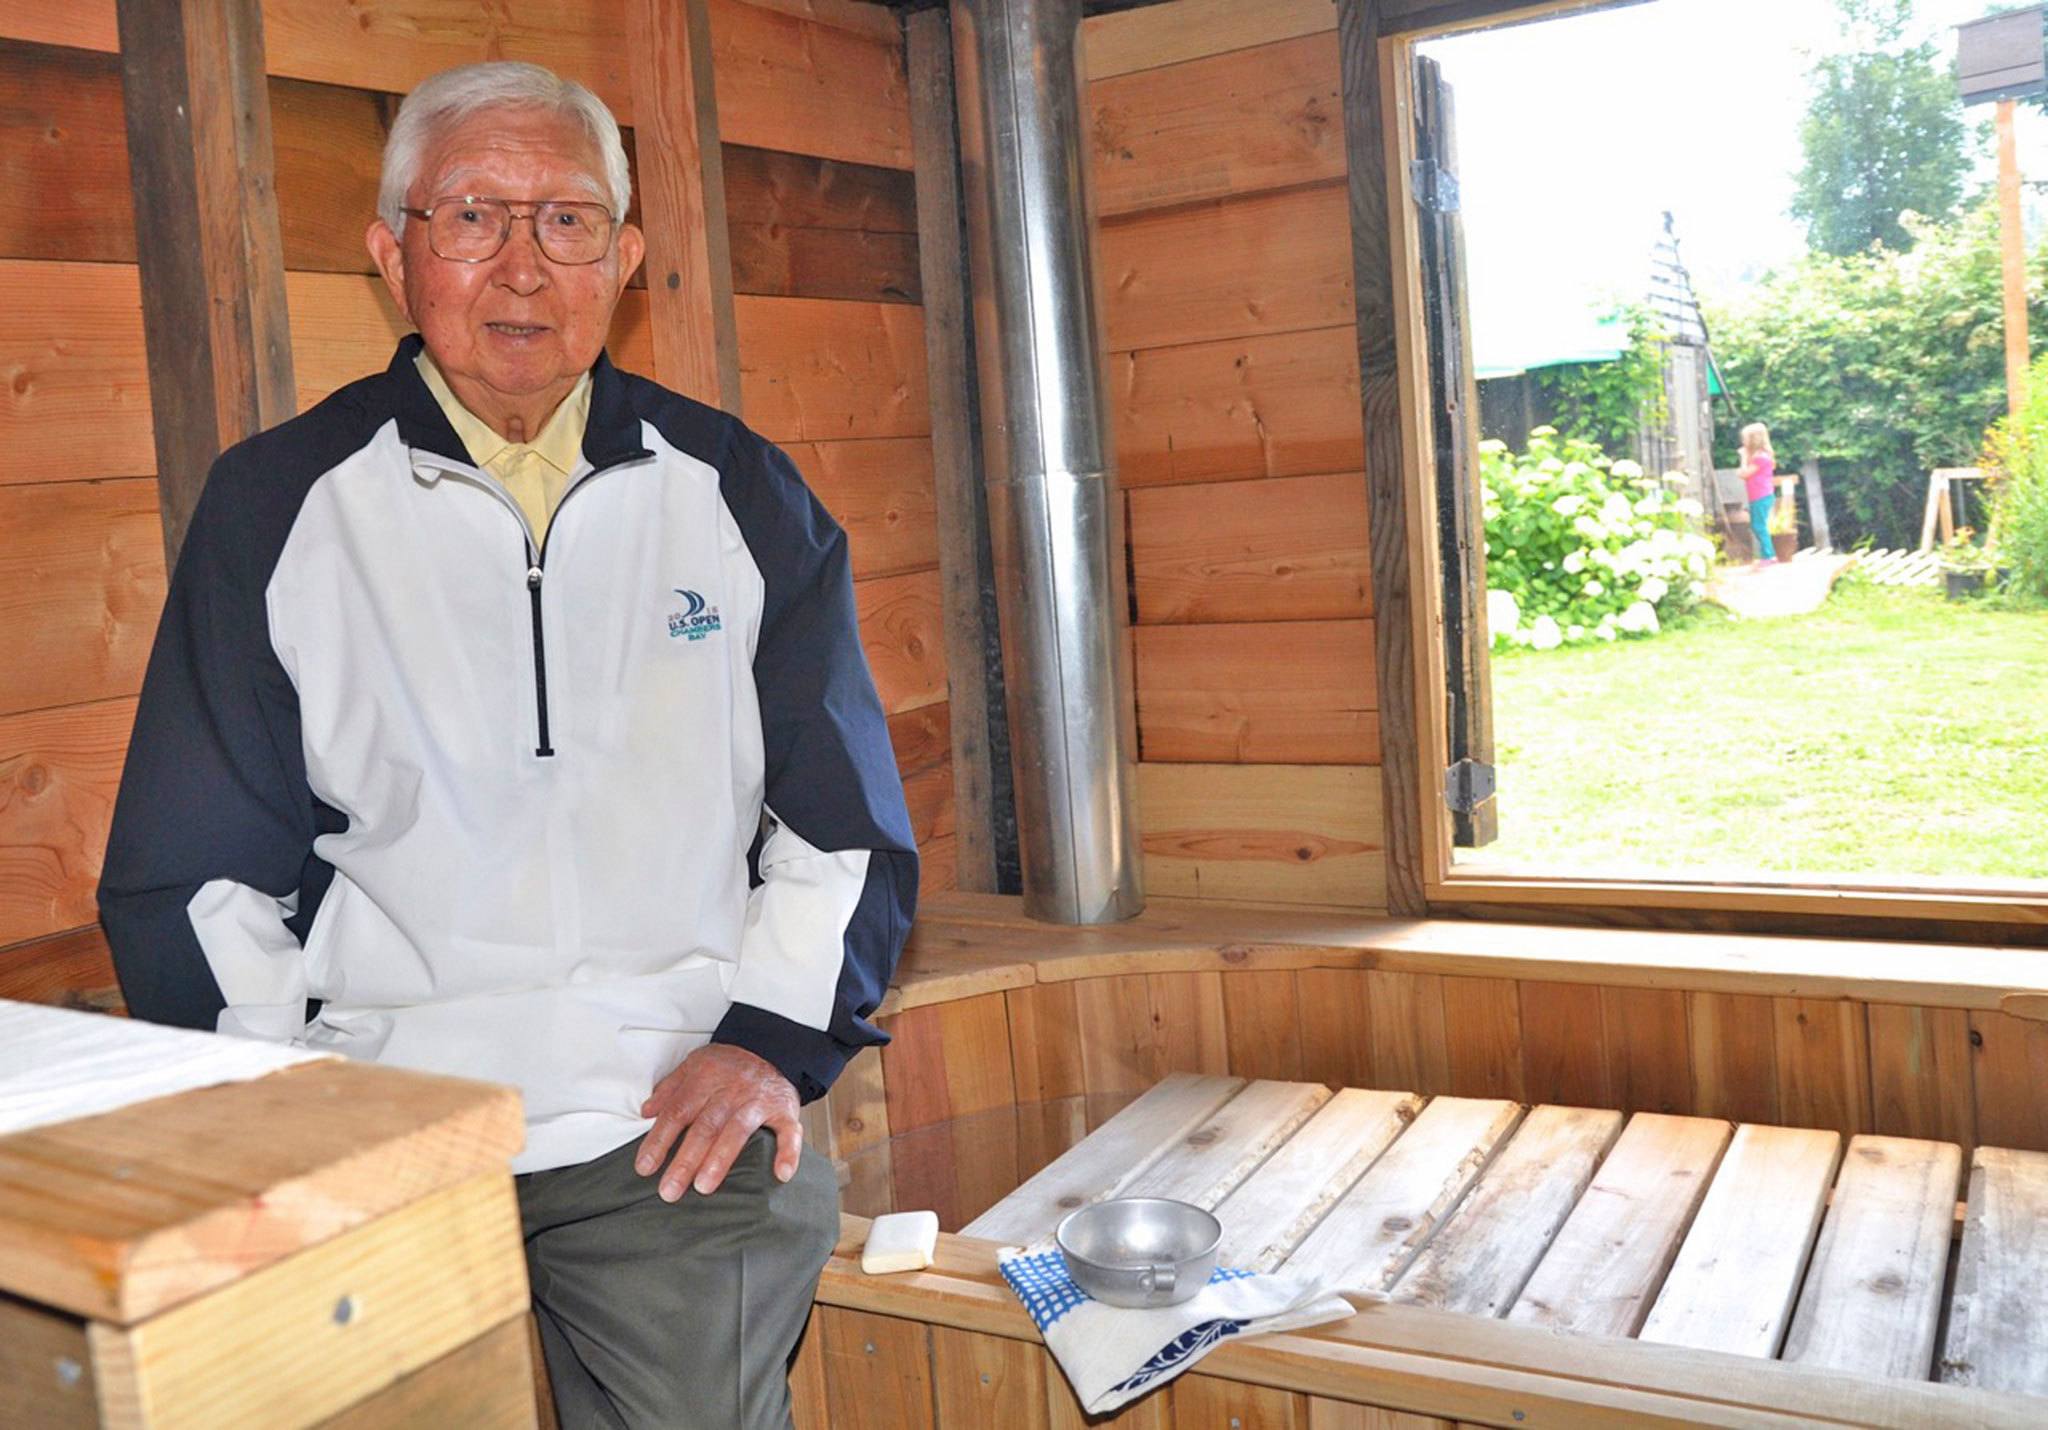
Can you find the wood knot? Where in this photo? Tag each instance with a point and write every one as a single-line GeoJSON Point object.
{"type": "Point", "coordinates": [22, 383]}
{"type": "Point", "coordinates": [1235, 953]}
{"type": "Point", "coordinates": [1205, 1138]}
{"type": "Point", "coordinates": [1397, 1223]}
{"type": "Point", "coordinates": [34, 780]}
{"type": "Point", "coordinates": [675, 281]}
{"type": "Point", "coordinates": [1068, 1204]}
{"type": "Point", "coordinates": [855, 1124]}
{"type": "Point", "coordinates": [1870, 1154]}
{"type": "Point", "coordinates": [1891, 1283]}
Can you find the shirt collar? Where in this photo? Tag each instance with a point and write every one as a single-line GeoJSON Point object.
{"type": "Point", "coordinates": [559, 443]}
{"type": "Point", "coordinates": [611, 435]}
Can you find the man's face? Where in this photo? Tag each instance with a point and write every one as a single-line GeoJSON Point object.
{"type": "Point", "coordinates": [518, 328]}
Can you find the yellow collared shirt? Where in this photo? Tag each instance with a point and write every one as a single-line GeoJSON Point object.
{"type": "Point", "coordinates": [536, 473]}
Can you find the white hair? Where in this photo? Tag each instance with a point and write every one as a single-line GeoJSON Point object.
{"type": "Point", "coordinates": [454, 95]}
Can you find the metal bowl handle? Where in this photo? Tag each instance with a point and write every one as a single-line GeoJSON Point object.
{"type": "Point", "coordinates": [1160, 1278]}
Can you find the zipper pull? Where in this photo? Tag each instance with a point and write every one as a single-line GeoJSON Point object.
{"type": "Point", "coordinates": [533, 574]}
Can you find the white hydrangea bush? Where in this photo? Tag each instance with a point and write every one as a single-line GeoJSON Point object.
{"type": "Point", "coordinates": [1582, 549]}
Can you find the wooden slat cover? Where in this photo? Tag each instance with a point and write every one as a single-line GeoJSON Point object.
{"type": "Point", "coordinates": [73, 969]}
{"type": "Point", "coordinates": [81, 584]}
{"type": "Point", "coordinates": [1270, 263]}
{"type": "Point", "coordinates": [878, 1372]}
{"type": "Point", "coordinates": [120, 1215]}
{"type": "Point", "coordinates": [64, 155]}
{"type": "Point", "coordinates": [1265, 1218]}
{"type": "Point", "coordinates": [1872, 1296]}
{"type": "Point", "coordinates": [1203, 1166]}
{"type": "Point", "coordinates": [1281, 833]}
{"type": "Point", "coordinates": [790, 83]}
{"type": "Point", "coordinates": [36, 1387]}
{"type": "Point", "coordinates": [58, 772]}
{"type": "Point", "coordinates": [485, 1385]}
{"type": "Point", "coordinates": [86, 24]}
{"type": "Point", "coordinates": [899, 626]}
{"type": "Point", "coordinates": [1264, 406]}
{"type": "Point", "coordinates": [1996, 1334]}
{"type": "Point", "coordinates": [1284, 549]}
{"type": "Point", "coordinates": [1285, 692]}
{"type": "Point", "coordinates": [276, 1348]}
{"type": "Point", "coordinates": [1146, 36]}
{"type": "Point", "coordinates": [1375, 1230]}
{"type": "Point", "coordinates": [76, 400]}
{"type": "Point", "coordinates": [1268, 117]}
{"type": "Point", "coordinates": [1481, 1258]}
{"type": "Point", "coordinates": [814, 370]}
{"type": "Point", "coordinates": [1733, 1285]}
{"type": "Point", "coordinates": [880, 490]}
{"type": "Point", "coordinates": [1603, 1270]}
{"type": "Point", "coordinates": [986, 1382]}
{"type": "Point", "coordinates": [1118, 1150]}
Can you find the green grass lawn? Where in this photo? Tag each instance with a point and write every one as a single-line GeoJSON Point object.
{"type": "Point", "coordinates": [1891, 732]}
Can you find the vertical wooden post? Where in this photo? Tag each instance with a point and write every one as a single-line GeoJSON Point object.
{"type": "Point", "coordinates": [1402, 773]}
{"type": "Point", "coordinates": [682, 200]}
{"type": "Point", "coordinates": [964, 558]}
{"type": "Point", "coordinates": [212, 262]}
{"type": "Point", "coordinates": [2014, 245]}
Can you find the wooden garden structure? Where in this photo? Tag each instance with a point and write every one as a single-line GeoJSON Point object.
{"type": "Point", "coordinates": [188, 181]}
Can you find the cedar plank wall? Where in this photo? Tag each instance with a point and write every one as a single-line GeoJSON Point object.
{"type": "Point", "coordinates": [1223, 259]}
{"type": "Point", "coordinates": [814, 113]}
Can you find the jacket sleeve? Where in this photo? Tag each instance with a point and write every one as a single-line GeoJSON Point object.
{"type": "Point", "coordinates": [837, 864]}
{"type": "Point", "coordinates": [213, 826]}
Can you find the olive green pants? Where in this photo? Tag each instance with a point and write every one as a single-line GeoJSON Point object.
{"type": "Point", "coordinates": [684, 1314]}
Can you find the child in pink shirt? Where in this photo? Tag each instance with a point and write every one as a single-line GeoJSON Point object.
{"type": "Point", "coordinates": [1759, 468]}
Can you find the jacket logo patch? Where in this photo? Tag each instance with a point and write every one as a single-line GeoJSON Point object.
{"type": "Point", "coordinates": [695, 620]}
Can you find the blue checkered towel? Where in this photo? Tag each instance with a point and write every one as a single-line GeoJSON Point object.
{"type": "Point", "coordinates": [1112, 1355]}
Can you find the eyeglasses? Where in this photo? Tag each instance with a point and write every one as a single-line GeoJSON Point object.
{"type": "Point", "coordinates": [468, 229]}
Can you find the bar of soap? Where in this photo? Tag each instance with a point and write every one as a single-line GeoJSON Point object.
{"type": "Point", "coordinates": [900, 1241]}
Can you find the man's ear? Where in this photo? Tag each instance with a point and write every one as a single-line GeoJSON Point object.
{"type": "Point", "coordinates": [632, 249]}
{"type": "Point", "coordinates": [389, 255]}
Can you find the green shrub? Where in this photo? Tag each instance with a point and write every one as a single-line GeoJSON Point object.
{"type": "Point", "coordinates": [1583, 548]}
{"type": "Point", "coordinates": [2016, 454]}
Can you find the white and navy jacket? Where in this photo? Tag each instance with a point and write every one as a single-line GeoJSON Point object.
{"type": "Point", "coordinates": [547, 813]}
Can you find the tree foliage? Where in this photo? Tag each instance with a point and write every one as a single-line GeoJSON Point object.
{"type": "Point", "coordinates": [1609, 403]}
{"type": "Point", "coordinates": [1882, 365]}
{"type": "Point", "coordinates": [1883, 136]}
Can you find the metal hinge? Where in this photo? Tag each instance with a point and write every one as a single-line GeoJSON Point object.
{"type": "Point", "coordinates": [1467, 785]}
{"type": "Point", "coordinates": [1436, 188]}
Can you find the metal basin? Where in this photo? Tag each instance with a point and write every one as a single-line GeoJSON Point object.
{"type": "Point", "coordinates": [1140, 1251]}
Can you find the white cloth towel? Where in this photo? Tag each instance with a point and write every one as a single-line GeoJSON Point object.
{"type": "Point", "coordinates": [57, 1064]}
{"type": "Point", "coordinates": [1112, 1355]}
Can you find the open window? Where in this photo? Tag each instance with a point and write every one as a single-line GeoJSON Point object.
{"type": "Point", "coordinates": [1625, 708]}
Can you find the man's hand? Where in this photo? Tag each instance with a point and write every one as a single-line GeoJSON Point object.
{"type": "Point", "coordinates": [721, 1094]}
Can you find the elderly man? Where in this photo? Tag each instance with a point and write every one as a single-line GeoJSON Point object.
{"type": "Point", "coordinates": [510, 709]}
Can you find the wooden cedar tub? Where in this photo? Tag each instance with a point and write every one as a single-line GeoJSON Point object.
{"type": "Point", "coordinates": [1013, 1040]}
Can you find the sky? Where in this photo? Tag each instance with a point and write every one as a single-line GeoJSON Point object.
{"type": "Point", "coordinates": [1575, 135]}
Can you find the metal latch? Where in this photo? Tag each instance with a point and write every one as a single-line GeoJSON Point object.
{"type": "Point", "coordinates": [1467, 785]}
{"type": "Point", "coordinates": [1436, 188]}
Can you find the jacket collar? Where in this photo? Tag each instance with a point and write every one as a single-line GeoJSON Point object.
{"type": "Point", "coordinates": [611, 436]}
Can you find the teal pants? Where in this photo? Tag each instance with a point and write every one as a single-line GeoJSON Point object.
{"type": "Point", "coordinates": [682, 1314]}
{"type": "Point", "coordinates": [1760, 525]}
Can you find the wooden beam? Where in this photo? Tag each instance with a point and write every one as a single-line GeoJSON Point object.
{"type": "Point", "coordinates": [201, 167]}
{"type": "Point", "coordinates": [964, 558]}
{"type": "Point", "coordinates": [1386, 458]}
{"type": "Point", "coordinates": [682, 200]}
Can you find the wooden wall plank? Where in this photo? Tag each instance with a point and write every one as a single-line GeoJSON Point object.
{"type": "Point", "coordinates": [961, 517]}
{"type": "Point", "coordinates": [807, 1394]}
{"type": "Point", "coordinates": [1190, 1021]}
{"type": "Point", "coordinates": [1264, 1022]}
{"type": "Point", "coordinates": [1734, 1056]}
{"type": "Point", "coordinates": [1045, 1042]}
{"type": "Point", "coordinates": [948, 1060]}
{"type": "Point", "coordinates": [1134, 1029]}
{"type": "Point", "coordinates": [877, 1371]}
{"type": "Point", "coordinates": [2010, 1071]}
{"type": "Point", "coordinates": [1649, 1053]}
{"type": "Point", "coordinates": [919, 738]}
{"type": "Point", "coordinates": [1268, 263]}
{"type": "Point", "coordinates": [1280, 405]}
{"type": "Point", "coordinates": [81, 584]}
{"type": "Point", "coordinates": [682, 200]}
{"type": "Point", "coordinates": [343, 327]}
{"type": "Point", "coordinates": [85, 24]}
{"type": "Point", "coordinates": [789, 83]}
{"type": "Point", "coordinates": [881, 492]}
{"type": "Point", "coordinates": [1564, 1054]}
{"type": "Point", "coordinates": [202, 167]}
{"type": "Point", "coordinates": [1410, 1048]}
{"type": "Point", "coordinates": [1294, 692]}
{"type": "Point", "coordinates": [1284, 833]}
{"type": "Point", "coordinates": [1823, 1064]}
{"type": "Point", "coordinates": [330, 146]}
{"type": "Point", "coordinates": [1205, 1400]}
{"type": "Point", "coordinates": [1336, 1026]}
{"type": "Point", "coordinates": [1920, 1073]}
{"type": "Point", "coordinates": [1267, 117]}
{"type": "Point", "coordinates": [1140, 38]}
{"type": "Point", "coordinates": [813, 369]}
{"type": "Point", "coordinates": [987, 1382]}
{"type": "Point", "coordinates": [73, 969]}
{"type": "Point", "coordinates": [75, 400]}
{"type": "Point", "coordinates": [768, 189]}
{"type": "Point", "coordinates": [58, 772]}
{"type": "Point", "coordinates": [64, 155]}
{"type": "Point", "coordinates": [900, 626]}
{"type": "Point", "coordinates": [1483, 1037]}
{"type": "Point", "coordinates": [1380, 307]}
{"type": "Point", "coordinates": [1283, 549]}
{"type": "Point", "coordinates": [825, 263]}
